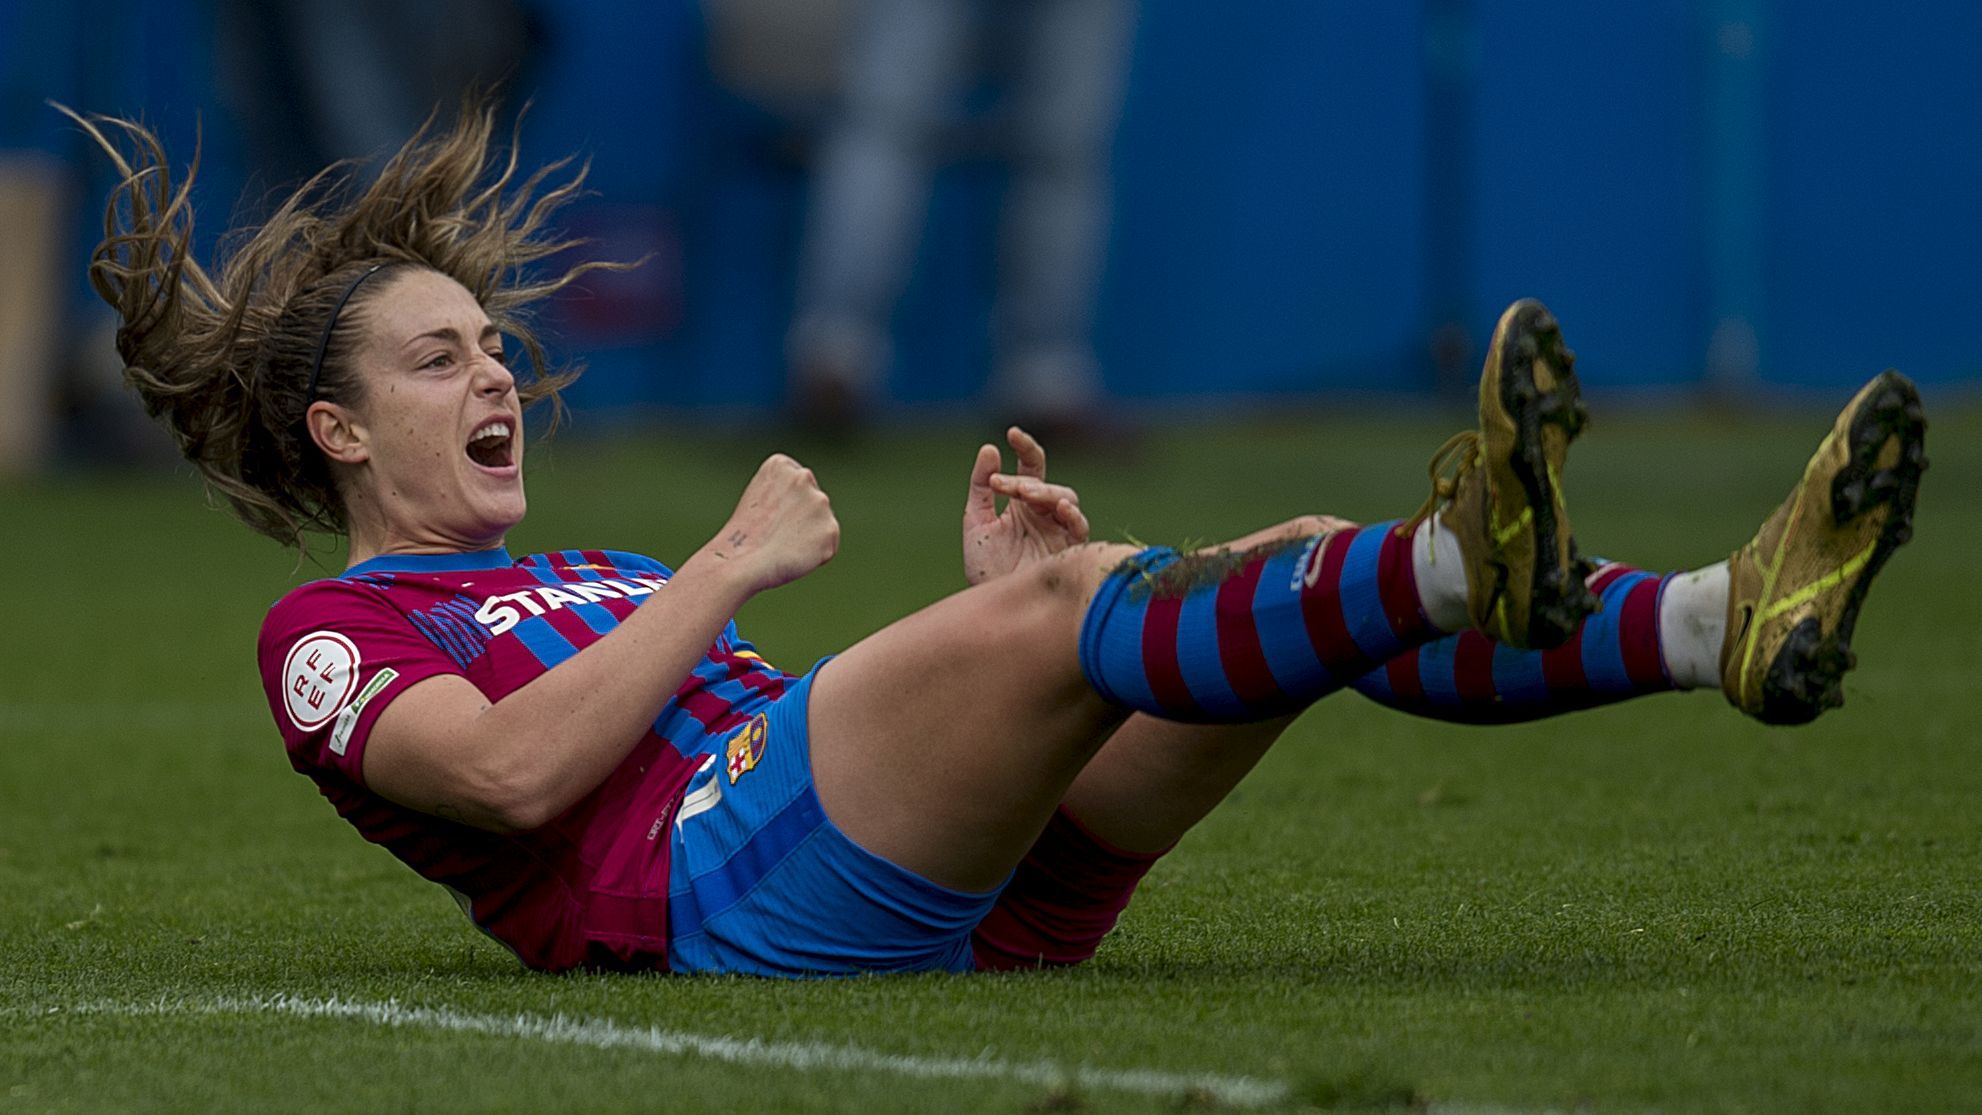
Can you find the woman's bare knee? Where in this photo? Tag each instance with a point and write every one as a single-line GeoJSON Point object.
{"type": "Point", "coordinates": [1073, 574]}
{"type": "Point", "coordinates": [1040, 608]}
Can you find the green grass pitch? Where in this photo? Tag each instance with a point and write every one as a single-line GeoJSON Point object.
{"type": "Point", "coordinates": [1659, 906]}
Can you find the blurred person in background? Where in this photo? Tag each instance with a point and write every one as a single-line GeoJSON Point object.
{"type": "Point", "coordinates": [906, 70]}
{"type": "Point", "coordinates": [310, 82]}
{"type": "Point", "coordinates": [60, 384]}
{"type": "Point", "coordinates": [297, 84]}
{"type": "Point", "coordinates": [35, 188]}
{"type": "Point", "coordinates": [32, 212]}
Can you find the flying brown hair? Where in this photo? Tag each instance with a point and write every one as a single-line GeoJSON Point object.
{"type": "Point", "coordinates": [223, 359]}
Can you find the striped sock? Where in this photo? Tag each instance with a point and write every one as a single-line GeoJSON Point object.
{"type": "Point", "coordinates": [1066, 895]}
{"type": "Point", "coordinates": [1234, 637]}
{"type": "Point", "coordinates": [1472, 679]}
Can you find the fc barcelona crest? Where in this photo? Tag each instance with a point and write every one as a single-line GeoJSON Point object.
{"type": "Point", "coordinates": [746, 748]}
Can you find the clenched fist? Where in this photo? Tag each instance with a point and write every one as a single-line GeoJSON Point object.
{"type": "Point", "coordinates": [782, 529]}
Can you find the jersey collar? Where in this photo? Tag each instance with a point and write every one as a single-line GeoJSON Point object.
{"type": "Point", "coordinates": [434, 563]}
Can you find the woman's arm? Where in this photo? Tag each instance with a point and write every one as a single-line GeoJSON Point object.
{"type": "Point", "coordinates": [511, 766]}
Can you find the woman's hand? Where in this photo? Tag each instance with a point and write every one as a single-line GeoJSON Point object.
{"type": "Point", "coordinates": [1038, 521]}
{"type": "Point", "coordinates": [782, 529]}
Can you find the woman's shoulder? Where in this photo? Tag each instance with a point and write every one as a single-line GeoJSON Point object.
{"type": "Point", "coordinates": [325, 602]}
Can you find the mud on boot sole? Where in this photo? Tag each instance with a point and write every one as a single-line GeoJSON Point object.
{"type": "Point", "coordinates": [1807, 675]}
{"type": "Point", "coordinates": [1558, 599]}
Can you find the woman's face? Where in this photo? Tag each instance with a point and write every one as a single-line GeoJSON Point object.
{"type": "Point", "coordinates": [440, 424]}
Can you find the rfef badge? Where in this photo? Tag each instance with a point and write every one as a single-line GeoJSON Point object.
{"type": "Point", "coordinates": [318, 677]}
{"type": "Point", "coordinates": [746, 748]}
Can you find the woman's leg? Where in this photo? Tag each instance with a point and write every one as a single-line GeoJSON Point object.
{"type": "Point", "coordinates": [945, 742]}
{"type": "Point", "coordinates": [1817, 556]}
{"type": "Point", "coordinates": [1154, 779]}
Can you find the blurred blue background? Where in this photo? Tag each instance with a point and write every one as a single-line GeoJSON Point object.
{"type": "Point", "coordinates": [1742, 198]}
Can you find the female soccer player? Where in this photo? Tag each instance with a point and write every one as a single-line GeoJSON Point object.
{"type": "Point", "coordinates": [582, 748]}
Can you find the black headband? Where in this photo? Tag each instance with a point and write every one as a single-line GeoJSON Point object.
{"type": "Point", "coordinates": [316, 365]}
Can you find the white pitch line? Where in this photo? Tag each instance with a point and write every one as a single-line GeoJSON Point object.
{"type": "Point", "coordinates": [598, 1033]}
{"type": "Point", "coordinates": [1238, 1091]}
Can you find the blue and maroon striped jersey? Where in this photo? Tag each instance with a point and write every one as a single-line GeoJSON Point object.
{"type": "Point", "coordinates": [590, 887]}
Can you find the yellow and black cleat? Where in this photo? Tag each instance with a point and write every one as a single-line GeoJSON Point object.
{"type": "Point", "coordinates": [1795, 590]}
{"type": "Point", "coordinates": [1524, 579]}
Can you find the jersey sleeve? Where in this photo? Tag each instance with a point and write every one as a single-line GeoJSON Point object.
{"type": "Point", "coordinates": [333, 655]}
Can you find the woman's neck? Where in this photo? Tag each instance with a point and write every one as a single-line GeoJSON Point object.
{"type": "Point", "coordinates": [370, 539]}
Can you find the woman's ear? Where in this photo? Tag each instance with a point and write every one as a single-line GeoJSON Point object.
{"type": "Point", "coordinates": [337, 431]}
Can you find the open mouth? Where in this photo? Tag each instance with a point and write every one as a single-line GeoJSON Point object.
{"type": "Point", "coordinates": [490, 445]}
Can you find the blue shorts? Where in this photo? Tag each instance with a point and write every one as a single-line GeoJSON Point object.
{"type": "Point", "coordinates": [762, 883]}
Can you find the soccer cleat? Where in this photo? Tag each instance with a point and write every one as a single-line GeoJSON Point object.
{"type": "Point", "coordinates": [1794, 591]}
{"type": "Point", "coordinates": [1524, 580]}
